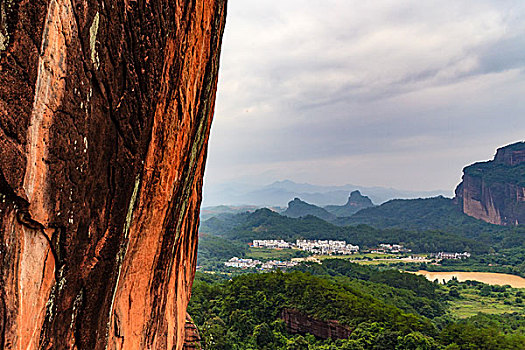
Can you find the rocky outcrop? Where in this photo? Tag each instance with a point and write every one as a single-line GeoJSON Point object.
{"type": "Point", "coordinates": [494, 191]}
{"type": "Point", "coordinates": [106, 108]}
{"type": "Point", "coordinates": [298, 208]}
{"type": "Point", "coordinates": [192, 339]}
{"type": "Point", "coordinates": [355, 202]}
{"type": "Point", "coordinates": [299, 323]}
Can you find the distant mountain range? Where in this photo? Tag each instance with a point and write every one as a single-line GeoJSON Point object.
{"type": "Point", "coordinates": [431, 224]}
{"type": "Point", "coordinates": [280, 193]}
{"type": "Point", "coordinates": [492, 191]}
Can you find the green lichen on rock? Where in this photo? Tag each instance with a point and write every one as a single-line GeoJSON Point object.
{"type": "Point", "coordinates": [8, 18]}
{"type": "Point", "coordinates": [93, 31]}
{"type": "Point", "coordinates": [4, 33]}
{"type": "Point", "coordinates": [4, 41]}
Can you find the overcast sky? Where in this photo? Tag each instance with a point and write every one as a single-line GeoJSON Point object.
{"type": "Point", "coordinates": [400, 94]}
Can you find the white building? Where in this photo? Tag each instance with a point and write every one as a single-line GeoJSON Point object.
{"type": "Point", "coordinates": [455, 256]}
{"type": "Point", "coordinates": [327, 247]}
{"type": "Point", "coordinates": [274, 264]}
{"type": "Point", "coordinates": [271, 243]}
{"type": "Point", "coordinates": [391, 248]}
{"type": "Point", "coordinates": [242, 263]}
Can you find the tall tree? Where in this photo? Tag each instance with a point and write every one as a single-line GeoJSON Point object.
{"type": "Point", "coordinates": [105, 109]}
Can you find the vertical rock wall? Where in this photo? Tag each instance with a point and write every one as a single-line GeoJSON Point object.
{"type": "Point", "coordinates": [192, 339]}
{"type": "Point", "coordinates": [299, 323]}
{"type": "Point", "coordinates": [105, 109]}
{"type": "Point", "coordinates": [494, 191]}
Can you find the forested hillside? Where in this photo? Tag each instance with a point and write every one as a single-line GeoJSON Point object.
{"type": "Point", "coordinates": [438, 213]}
{"type": "Point", "coordinates": [265, 224]}
{"type": "Point", "coordinates": [379, 309]}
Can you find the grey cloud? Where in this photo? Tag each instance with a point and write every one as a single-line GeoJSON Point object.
{"type": "Point", "coordinates": [329, 82]}
{"type": "Point", "coordinates": [503, 55]}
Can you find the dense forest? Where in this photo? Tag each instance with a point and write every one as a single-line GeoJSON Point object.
{"type": "Point", "coordinates": [381, 309]}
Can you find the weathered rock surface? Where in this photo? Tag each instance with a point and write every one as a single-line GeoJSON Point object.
{"type": "Point", "coordinates": [106, 108]}
{"type": "Point", "coordinates": [494, 191]}
{"type": "Point", "coordinates": [299, 323]}
{"type": "Point", "coordinates": [192, 339]}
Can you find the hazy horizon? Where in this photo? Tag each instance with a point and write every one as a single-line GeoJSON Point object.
{"type": "Point", "coordinates": [401, 95]}
{"type": "Point", "coordinates": [280, 192]}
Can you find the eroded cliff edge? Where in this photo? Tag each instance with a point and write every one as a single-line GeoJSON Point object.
{"type": "Point", "coordinates": [494, 191]}
{"type": "Point", "coordinates": [106, 109]}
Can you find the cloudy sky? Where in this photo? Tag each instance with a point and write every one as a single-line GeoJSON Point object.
{"type": "Point", "coordinates": [393, 93]}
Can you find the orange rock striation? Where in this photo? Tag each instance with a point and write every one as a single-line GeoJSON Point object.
{"type": "Point", "coordinates": [106, 109]}
{"type": "Point", "coordinates": [192, 339]}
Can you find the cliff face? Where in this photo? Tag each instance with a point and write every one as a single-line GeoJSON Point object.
{"type": "Point", "coordinates": [298, 323]}
{"type": "Point", "coordinates": [494, 191]}
{"type": "Point", "coordinates": [105, 109]}
{"type": "Point", "coordinates": [192, 339]}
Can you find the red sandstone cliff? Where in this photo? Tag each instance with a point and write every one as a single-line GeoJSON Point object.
{"type": "Point", "coordinates": [192, 339]}
{"type": "Point", "coordinates": [299, 323]}
{"type": "Point", "coordinates": [105, 109]}
{"type": "Point", "coordinates": [494, 191]}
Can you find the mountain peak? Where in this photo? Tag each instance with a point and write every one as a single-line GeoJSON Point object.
{"type": "Point", "coordinates": [357, 199]}
{"type": "Point", "coordinates": [298, 208]}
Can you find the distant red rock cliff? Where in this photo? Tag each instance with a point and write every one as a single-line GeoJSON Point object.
{"type": "Point", "coordinates": [494, 191]}
{"type": "Point", "coordinates": [299, 323]}
{"type": "Point", "coordinates": [106, 109]}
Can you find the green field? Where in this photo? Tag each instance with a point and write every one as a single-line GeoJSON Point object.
{"type": "Point", "coordinates": [472, 301]}
{"type": "Point", "coordinates": [265, 254]}
{"type": "Point", "coordinates": [367, 258]}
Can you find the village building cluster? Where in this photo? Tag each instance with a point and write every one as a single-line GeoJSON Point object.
{"type": "Point", "coordinates": [257, 264]}
{"type": "Point", "coordinates": [451, 256]}
{"type": "Point", "coordinates": [242, 263]}
{"type": "Point", "coordinates": [390, 248]}
{"type": "Point", "coordinates": [326, 247]}
{"type": "Point", "coordinates": [271, 244]}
